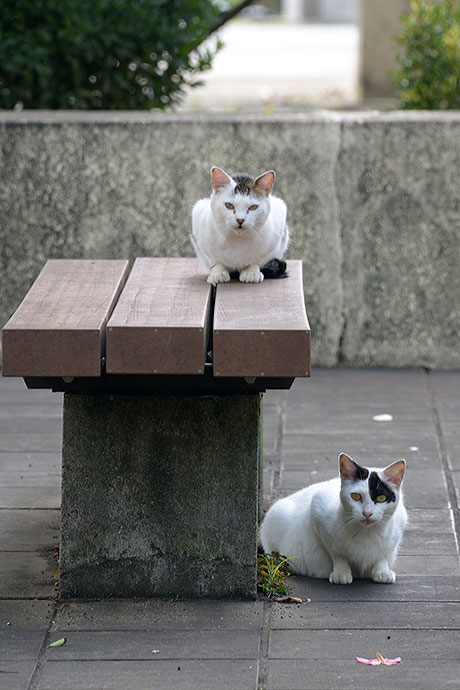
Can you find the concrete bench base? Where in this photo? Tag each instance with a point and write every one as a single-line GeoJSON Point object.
{"type": "Point", "coordinates": [160, 496]}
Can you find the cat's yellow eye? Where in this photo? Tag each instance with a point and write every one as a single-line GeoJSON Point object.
{"type": "Point", "coordinates": [381, 498]}
{"type": "Point", "coordinates": [253, 207]}
{"type": "Point", "coordinates": [229, 205]}
{"type": "Point", "coordinates": [355, 496]}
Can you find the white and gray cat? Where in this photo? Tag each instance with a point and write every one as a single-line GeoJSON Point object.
{"type": "Point", "coordinates": [240, 228]}
{"type": "Point", "coordinates": [350, 526]}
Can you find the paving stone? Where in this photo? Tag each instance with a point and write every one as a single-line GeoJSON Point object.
{"type": "Point", "coordinates": [407, 588]}
{"type": "Point", "coordinates": [347, 644]}
{"type": "Point", "coordinates": [443, 565]}
{"type": "Point", "coordinates": [299, 674]}
{"type": "Point", "coordinates": [26, 614]}
{"type": "Point", "coordinates": [168, 644]}
{"type": "Point", "coordinates": [11, 441]}
{"type": "Point", "coordinates": [143, 675]}
{"type": "Point", "coordinates": [157, 614]}
{"type": "Point", "coordinates": [446, 387]}
{"type": "Point", "coordinates": [48, 463]}
{"type": "Point", "coordinates": [420, 543]}
{"type": "Point", "coordinates": [31, 496]}
{"type": "Point", "coordinates": [430, 519]}
{"type": "Point", "coordinates": [30, 425]}
{"type": "Point", "coordinates": [28, 530]}
{"type": "Point", "coordinates": [339, 615]}
{"type": "Point", "coordinates": [20, 645]}
{"type": "Point", "coordinates": [25, 478]}
{"type": "Point", "coordinates": [365, 447]}
{"type": "Point", "coordinates": [15, 675]}
{"type": "Point", "coordinates": [26, 574]}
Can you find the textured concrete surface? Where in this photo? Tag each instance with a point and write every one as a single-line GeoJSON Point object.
{"type": "Point", "coordinates": [160, 496]}
{"type": "Point", "coordinates": [258, 645]}
{"type": "Point", "coordinates": [372, 205]}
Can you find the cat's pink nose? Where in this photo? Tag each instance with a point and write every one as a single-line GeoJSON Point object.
{"type": "Point", "coordinates": [240, 221]}
{"type": "Point", "coordinates": [366, 515]}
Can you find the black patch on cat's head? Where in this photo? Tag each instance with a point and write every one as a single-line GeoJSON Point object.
{"type": "Point", "coordinates": [378, 487]}
{"type": "Point", "coordinates": [244, 183]}
{"type": "Point", "coordinates": [360, 473]}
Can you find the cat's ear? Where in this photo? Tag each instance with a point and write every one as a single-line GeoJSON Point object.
{"type": "Point", "coordinates": [219, 179]}
{"type": "Point", "coordinates": [349, 469]}
{"type": "Point", "coordinates": [395, 473]}
{"type": "Point", "coordinates": [264, 183]}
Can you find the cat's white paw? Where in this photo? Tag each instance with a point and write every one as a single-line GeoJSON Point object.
{"type": "Point", "coordinates": [219, 276]}
{"type": "Point", "coordinates": [251, 275]}
{"type": "Point", "coordinates": [341, 577]}
{"type": "Point", "coordinates": [385, 577]}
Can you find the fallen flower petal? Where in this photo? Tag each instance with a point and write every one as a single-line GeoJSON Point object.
{"type": "Point", "coordinates": [380, 660]}
{"type": "Point", "coordinates": [371, 662]}
{"type": "Point", "coordinates": [58, 643]}
{"type": "Point", "coordinates": [382, 417]}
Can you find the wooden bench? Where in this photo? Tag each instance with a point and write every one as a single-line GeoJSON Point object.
{"type": "Point", "coordinates": [163, 378]}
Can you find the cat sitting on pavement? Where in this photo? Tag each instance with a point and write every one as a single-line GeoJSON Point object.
{"type": "Point", "coordinates": [347, 527]}
{"type": "Point", "coordinates": [240, 228]}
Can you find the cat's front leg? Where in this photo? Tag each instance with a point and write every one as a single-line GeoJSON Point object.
{"type": "Point", "coordinates": [251, 274]}
{"type": "Point", "coordinates": [219, 274]}
{"type": "Point", "coordinates": [381, 572]}
{"type": "Point", "coordinates": [341, 571]}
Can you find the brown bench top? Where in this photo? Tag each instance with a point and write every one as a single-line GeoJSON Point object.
{"type": "Point", "coordinates": [155, 319]}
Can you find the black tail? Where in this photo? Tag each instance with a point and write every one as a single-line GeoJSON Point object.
{"type": "Point", "coordinates": [276, 268]}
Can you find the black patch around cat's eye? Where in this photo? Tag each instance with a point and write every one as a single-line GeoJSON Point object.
{"type": "Point", "coordinates": [377, 488]}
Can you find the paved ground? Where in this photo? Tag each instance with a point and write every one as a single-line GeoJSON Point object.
{"type": "Point", "coordinates": [251, 645]}
{"type": "Point", "coordinates": [275, 65]}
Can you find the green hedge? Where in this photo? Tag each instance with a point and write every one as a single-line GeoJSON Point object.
{"type": "Point", "coordinates": [101, 54]}
{"type": "Point", "coordinates": [429, 63]}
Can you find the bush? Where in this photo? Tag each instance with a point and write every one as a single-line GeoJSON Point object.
{"type": "Point", "coordinates": [429, 68]}
{"type": "Point", "coordinates": [101, 53]}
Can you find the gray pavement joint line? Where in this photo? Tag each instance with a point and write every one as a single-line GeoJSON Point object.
{"type": "Point", "coordinates": [34, 682]}
{"type": "Point", "coordinates": [431, 391]}
{"type": "Point", "coordinates": [262, 671]}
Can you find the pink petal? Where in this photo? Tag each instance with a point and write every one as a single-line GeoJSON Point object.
{"type": "Point", "coordinates": [392, 662]}
{"type": "Point", "coordinates": [371, 662]}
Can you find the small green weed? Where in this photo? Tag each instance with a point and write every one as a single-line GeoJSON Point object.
{"type": "Point", "coordinates": [273, 571]}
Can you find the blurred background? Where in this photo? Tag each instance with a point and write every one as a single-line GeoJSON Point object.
{"type": "Point", "coordinates": [284, 54]}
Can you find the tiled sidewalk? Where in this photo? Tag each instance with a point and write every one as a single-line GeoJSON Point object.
{"type": "Point", "coordinates": [251, 645]}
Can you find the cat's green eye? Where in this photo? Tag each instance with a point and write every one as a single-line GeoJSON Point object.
{"type": "Point", "coordinates": [381, 498]}
{"type": "Point", "coordinates": [355, 496]}
{"type": "Point", "coordinates": [254, 207]}
{"type": "Point", "coordinates": [229, 206]}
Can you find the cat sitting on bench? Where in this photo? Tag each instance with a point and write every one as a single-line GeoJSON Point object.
{"type": "Point", "coordinates": [241, 228]}
{"type": "Point", "coordinates": [350, 526]}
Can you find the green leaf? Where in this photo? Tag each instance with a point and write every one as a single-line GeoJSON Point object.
{"type": "Point", "coordinates": [58, 643]}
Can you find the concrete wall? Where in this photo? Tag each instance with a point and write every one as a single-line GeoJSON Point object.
{"type": "Point", "coordinates": [373, 202]}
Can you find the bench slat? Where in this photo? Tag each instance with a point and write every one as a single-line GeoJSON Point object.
{"type": "Point", "coordinates": [262, 329]}
{"type": "Point", "coordinates": [161, 322]}
{"type": "Point", "coordinates": [59, 328]}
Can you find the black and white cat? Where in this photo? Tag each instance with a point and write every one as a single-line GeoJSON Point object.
{"type": "Point", "coordinates": [350, 526]}
{"type": "Point", "coordinates": [240, 228]}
